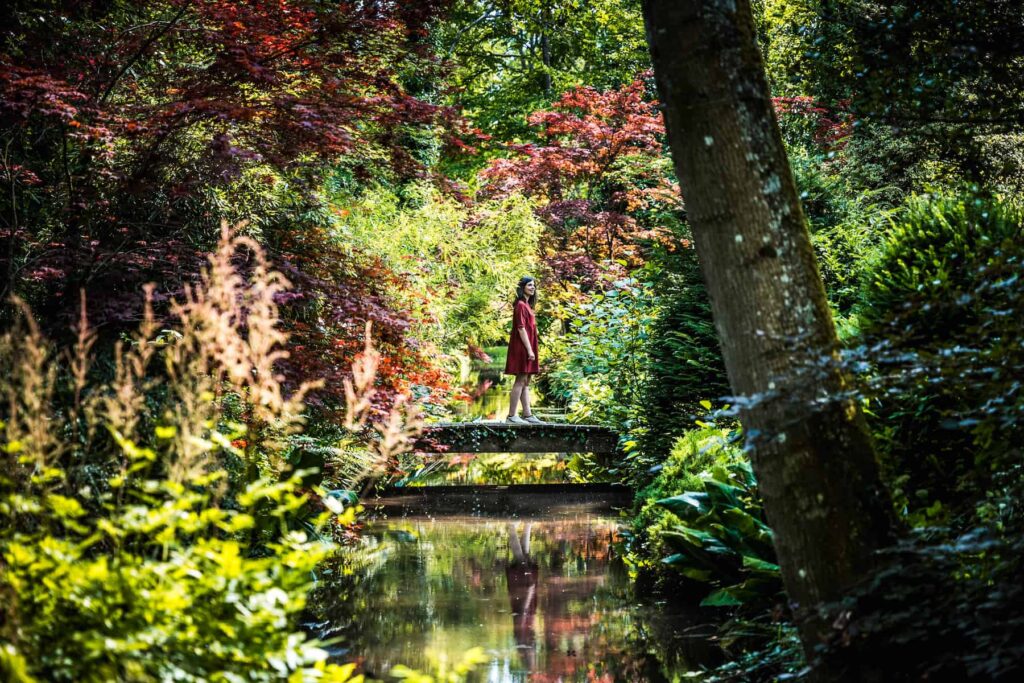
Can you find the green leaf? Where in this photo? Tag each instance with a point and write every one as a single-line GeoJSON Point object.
{"type": "Point", "coordinates": [721, 493]}
{"type": "Point", "coordinates": [686, 504]}
{"type": "Point", "coordinates": [759, 565]}
{"type": "Point", "coordinates": [721, 598]}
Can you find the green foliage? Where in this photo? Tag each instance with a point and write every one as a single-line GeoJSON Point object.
{"type": "Point", "coordinates": [940, 251]}
{"type": "Point", "coordinates": [460, 263]}
{"type": "Point", "coordinates": [941, 317]}
{"type": "Point", "coordinates": [944, 606]}
{"type": "Point", "coordinates": [701, 517]}
{"type": "Point", "coordinates": [934, 84]}
{"type": "Point", "coordinates": [148, 524]}
{"type": "Point", "coordinates": [685, 361]}
{"type": "Point", "coordinates": [167, 571]}
{"type": "Point", "coordinates": [601, 364]}
{"type": "Point", "coordinates": [516, 56]}
{"type": "Point", "coordinates": [760, 649]}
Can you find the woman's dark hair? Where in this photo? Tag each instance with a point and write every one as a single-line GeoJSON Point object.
{"type": "Point", "coordinates": [521, 291]}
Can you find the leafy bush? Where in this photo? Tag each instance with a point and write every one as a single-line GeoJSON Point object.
{"type": "Point", "coordinates": [701, 517]}
{"type": "Point", "coordinates": [148, 524]}
{"type": "Point", "coordinates": [600, 366]}
{"type": "Point", "coordinates": [943, 607]}
{"type": "Point", "coordinates": [846, 224]}
{"type": "Point", "coordinates": [685, 363]}
{"type": "Point", "coordinates": [940, 322]}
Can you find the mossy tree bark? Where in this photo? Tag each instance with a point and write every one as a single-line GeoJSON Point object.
{"type": "Point", "coordinates": [812, 453]}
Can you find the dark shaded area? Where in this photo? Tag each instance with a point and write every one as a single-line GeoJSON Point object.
{"type": "Point", "coordinates": [518, 500]}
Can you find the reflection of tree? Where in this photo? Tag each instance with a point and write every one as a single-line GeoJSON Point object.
{"type": "Point", "coordinates": [576, 558]}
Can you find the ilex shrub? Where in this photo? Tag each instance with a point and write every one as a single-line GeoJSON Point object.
{"type": "Point", "coordinates": [149, 524]}
{"type": "Point", "coordinates": [941, 333]}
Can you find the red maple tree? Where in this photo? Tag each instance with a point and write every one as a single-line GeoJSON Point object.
{"type": "Point", "coordinates": [125, 123]}
{"type": "Point", "coordinates": [599, 169]}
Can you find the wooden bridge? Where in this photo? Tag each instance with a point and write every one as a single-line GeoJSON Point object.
{"type": "Point", "coordinates": [501, 437]}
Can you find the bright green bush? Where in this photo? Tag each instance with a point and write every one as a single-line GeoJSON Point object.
{"type": "Point", "coordinates": [940, 320]}
{"type": "Point", "coordinates": [461, 262]}
{"type": "Point", "coordinates": [600, 368]}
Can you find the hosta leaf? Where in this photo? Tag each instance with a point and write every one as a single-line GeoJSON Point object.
{"type": "Point", "coordinates": [759, 565]}
{"type": "Point", "coordinates": [721, 598]}
{"type": "Point", "coordinates": [686, 505]}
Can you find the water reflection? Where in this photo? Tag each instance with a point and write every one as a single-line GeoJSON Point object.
{"type": "Point", "coordinates": [546, 598]}
{"type": "Point", "coordinates": [521, 577]}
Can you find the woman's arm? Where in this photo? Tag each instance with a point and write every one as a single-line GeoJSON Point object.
{"type": "Point", "coordinates": [526, 342]}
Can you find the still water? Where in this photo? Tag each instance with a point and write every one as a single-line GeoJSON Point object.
{"type": "Point", "coordinates": [532, 575]}
{"type": "Point", "coordinates": [546, 597]}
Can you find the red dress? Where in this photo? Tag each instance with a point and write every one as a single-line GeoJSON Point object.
{"type": "Point", "coordinates": [518, 360]}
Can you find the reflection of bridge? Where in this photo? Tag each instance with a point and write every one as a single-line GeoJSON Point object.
{"type": "Point", "coordinates": [500, 437]}
{"type": "Point", "coordinates": [516, 500]}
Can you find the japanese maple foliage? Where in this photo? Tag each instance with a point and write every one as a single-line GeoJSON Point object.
{"type": "Point", "coordinates": [828, 127]}
{"type": "Point", "coordinates": [599, 170]}
{"type": "Point", "coordinates": [131, 128]}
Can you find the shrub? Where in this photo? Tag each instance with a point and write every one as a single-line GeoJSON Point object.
{"type": "Point", "coordinates": [940, 320]}
{"type": "Point", "coordinates": [685, 361]}
{"type": "Point", "coordinates": [701, 517]}
{"type": "Point", "coordinates": [600, 366]}
{"type": "Point", "coordinates": [148, 526]}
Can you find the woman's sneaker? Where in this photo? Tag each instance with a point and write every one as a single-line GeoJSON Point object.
{"type": "Point", "coordinates": [534, 420]}
{"type": "Point", "coordinates": [516, 420]}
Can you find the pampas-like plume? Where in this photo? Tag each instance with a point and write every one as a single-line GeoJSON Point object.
{"type": "Point", "coordinates": [222, 347]}
{"type": "Point", "coordinates": [33, 441]}
{"type": "Point", "coordinates": [394, 436]}
{"type": "Point", "coordinates": [229, 340]}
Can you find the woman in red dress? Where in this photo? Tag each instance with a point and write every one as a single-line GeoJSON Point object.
{"type": "Point", "coordinates": [522, 352]}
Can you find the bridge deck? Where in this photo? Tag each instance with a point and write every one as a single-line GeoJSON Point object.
{"type": "Point", "coordinates": [500, 437]}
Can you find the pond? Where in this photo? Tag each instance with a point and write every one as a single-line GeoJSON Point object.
{"type": "Point", "coordinates": [545, 595]}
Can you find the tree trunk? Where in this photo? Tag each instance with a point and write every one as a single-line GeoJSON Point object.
{"type": "Point", "coordinates": [545, 49]}
{"type": "Point", "coordinates": [811, 451]}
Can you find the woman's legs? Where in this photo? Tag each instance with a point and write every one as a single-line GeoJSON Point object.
{"type": "Point", "coordinates": [524, 398]}
{"type": "Point", "coordinates": [518, 390]}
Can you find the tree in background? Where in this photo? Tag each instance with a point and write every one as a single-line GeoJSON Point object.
{"type": "Point", "coordinates": [603, 187]}
{"type": "Point", "coordinates": [936, 86]}
{"type": "Point", "coordinates": [515, 56]}
{"type": "Point", "coordinates": [811, 450]}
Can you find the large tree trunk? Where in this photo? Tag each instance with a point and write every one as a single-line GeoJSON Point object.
{"type": "Point", "coordinates": [811, 451]}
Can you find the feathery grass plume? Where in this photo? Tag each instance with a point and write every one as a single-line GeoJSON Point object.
{"type": "Point", "coordinates": [354, 463]}
{"type": "Point", "coordinates": [125, 404]}
{"type": "Point", "coordinates": [31, 429]}
{"type": "Point", "coordinates": [79, 361]}
{"type": "Point", "coordinates": [228, 341]}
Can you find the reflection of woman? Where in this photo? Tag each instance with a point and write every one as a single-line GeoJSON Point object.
{"type": "Point", "coordinates": [521, 575]}
{"type": "Point", "coordinates": [522, 351]}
